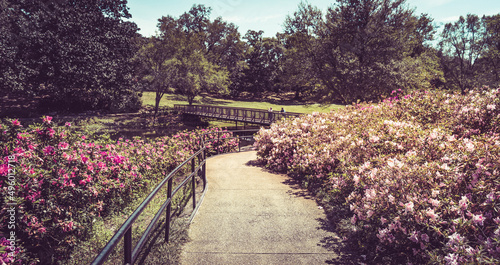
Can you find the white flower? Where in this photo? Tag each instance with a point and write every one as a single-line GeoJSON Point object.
{"type": "Point", "coordinates": [409, 207]}
{"type": "Point", "coordinates": [451, 259]}
{"type": "Point", "coordinates": [469, 146]}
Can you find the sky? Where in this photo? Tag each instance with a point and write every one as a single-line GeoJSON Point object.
{"type": "Point", "coordinates": [269, 15]}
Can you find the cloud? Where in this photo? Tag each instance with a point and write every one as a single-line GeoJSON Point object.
{"type": "Point", "coordinates": [448, 19]}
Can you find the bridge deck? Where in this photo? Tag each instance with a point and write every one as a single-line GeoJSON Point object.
{"type": "Point", "coordinates": [246, 115]}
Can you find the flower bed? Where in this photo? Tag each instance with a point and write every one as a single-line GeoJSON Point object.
{"type": "Point", "coordinates": [419, 173]}
{"type": "Point", "coordinates": [59, 180]}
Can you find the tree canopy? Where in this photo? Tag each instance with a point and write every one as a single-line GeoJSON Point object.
{"type": "Point", "coordinates": [76, 52]}
{"type": "Point", "coordinates": [356, 49]}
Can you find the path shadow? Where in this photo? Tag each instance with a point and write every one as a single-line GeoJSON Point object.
{"type": "Point", "coordinates": [255, 163]}
{"type": "Point", "coordinates": [334, 222]}
{"type": "Point", "coordinates": [331, 224]}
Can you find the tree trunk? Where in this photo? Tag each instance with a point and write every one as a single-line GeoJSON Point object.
{"type": "Point", "coordinates": [158, 97]}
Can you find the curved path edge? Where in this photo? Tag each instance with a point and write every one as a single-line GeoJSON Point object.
{"type": "Point", "coordinates": [251, 216]}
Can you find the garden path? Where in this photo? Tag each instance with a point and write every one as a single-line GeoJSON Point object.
{"type": "Point", "coordinates": [251, 216]}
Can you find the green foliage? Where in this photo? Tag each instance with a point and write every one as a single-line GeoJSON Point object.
{"type": "Point", "coordinates": [263, 58]}
{"type": "Point", "coordinates": [76, 53]}
{"type": "Point", "coordinates": [188, 57]}
{"type": "Point", "coordinates": [489, 63]}
{"type": "Point", "coordinates": [462, 44]}
{"type": "Point", "coordinates": [360, 50]}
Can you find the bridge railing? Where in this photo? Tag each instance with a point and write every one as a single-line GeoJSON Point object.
{"type": "Point", "coordinates": [197, 163]}
{"type": "Point", "coordinates": [236, 114]}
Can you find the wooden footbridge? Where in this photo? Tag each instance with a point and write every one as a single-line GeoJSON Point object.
{"type": "Point", "coordinates": [245, 115]}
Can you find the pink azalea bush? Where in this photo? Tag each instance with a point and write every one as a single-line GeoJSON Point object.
{"type": "Point", "coordinates": [419, 173]}
{"type": "Point", "coordinates": [64, 179]}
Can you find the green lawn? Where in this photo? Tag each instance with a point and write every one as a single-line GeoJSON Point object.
{"type": "Point", "coordinates": [169, 100]}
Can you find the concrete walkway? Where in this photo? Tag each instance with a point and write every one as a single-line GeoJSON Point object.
{"type": "Point", "coordinates": [250, 216]}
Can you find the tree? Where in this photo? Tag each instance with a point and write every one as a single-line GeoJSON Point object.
{"type": "Point", "coordinates": [160, 67]}
{"type": "Point", "coordinates": [218, 40]}
{"type": "Point", "coordinates": [181, 63]}
{"type": "Point", "coordinates": [198, 75]}
{"type": "Point", "coordinates": [76, 52]}
{"type": "Point", "coordinates": [489, 63]}
{"type": "Point", "coordinates": [358, 47]}
{"type": "Point", "coordinates": [10, 20]}
{"type": "Point", "coordinates": [263, 58]}
{"type": "Point", "coordinates": [302, 56]}
{"type": "Point", "coordinates": [462, 44]}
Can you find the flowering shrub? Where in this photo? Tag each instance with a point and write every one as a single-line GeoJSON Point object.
{"type": "Point", "coordinates": [419, 172]}
{"type": "Point", "coordinates": [64, 179]}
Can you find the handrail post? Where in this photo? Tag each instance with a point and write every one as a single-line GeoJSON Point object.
{"type": "Point", "coordinates": [218, 142]}
{"type": "Point", "coordinates": [169, 209]}
{"type": "Point", "coordinates": [127, 245]}
{"type": "Point", "coordinates": [193, 181]}
{"type": "Point", "coordinates": [203, 170]}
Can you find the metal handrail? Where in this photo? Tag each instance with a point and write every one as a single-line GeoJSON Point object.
{"type": "Point", "coordinates": [125, 231]}
{"type": "Point", "coordinates": [233, 113]}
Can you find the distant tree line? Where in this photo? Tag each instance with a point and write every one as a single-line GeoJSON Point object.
{"type": "Point", "coordinates": [83, 55]}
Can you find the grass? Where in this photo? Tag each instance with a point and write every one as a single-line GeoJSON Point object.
{"type": "Point", "coordinates": [168, 100]}
{"type": "Point", "coordinates": [140, 124]}
{"type": "Point", "coordinates": [156, 250]}
{"type": "Point", "coordinates": [270, 101]}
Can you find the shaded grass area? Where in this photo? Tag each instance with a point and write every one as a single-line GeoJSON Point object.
{"type": "Point", "coordinates": [121, 125]}
{"type": "Point", "coordinates": [141, 123]}
{"type": "Point", "coordinates": [169, 100]}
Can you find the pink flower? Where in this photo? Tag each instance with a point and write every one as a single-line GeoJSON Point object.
{"type": "Point", "coordinates": [67, 124]}
{"type": "Point", "coordinates": [63, 145]}
{"type": "Point", "coordinates": [431, 214]}
{"type": "Point", "coordinates": [47, 119]}
{"type": "Point", "coordinates": [409, 207]}
{"type": "Point", "coordinates": [4, 169]}
{"type": "Point", "coordinates": [414, 237]}
{"type": "Point", "coordinates": [374, 138]}
{"type": "Point", "coordinates": [463, 203]}
{"type": "Point", "coordinates": [49, 150]}
{"type": "Point", "coordinates": [353, 219]}
{"type": "Point", "coordinates": [16, 123]}
{"type": "Point", "coordinates": [435, 202]}
{"type": "Point", "coordinates": [451, 259]}
{"type": "Point", "coordinates": [42, 230]}
{"type": "Point", "coordinates": [51, 132]}
{"type": "Point", "coordinates": [478, 219]}
{"type": "Point", "coordinates": [67, 226]}
{"type": "Point", "coordinates": [356, 179]}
